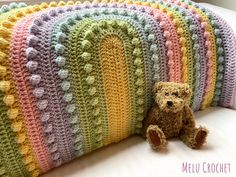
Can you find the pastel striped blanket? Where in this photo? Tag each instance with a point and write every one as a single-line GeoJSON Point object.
{"type": "Point", "coordinates": [78, 76]}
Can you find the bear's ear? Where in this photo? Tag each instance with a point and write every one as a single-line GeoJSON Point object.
{"type": "Point", "coordinates": [158, 86]}
{"type": "Point", "coordinates": [186, 91]}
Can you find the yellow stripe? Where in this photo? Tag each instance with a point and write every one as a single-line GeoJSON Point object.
{"type": "Point", "coordinates": [117, 95]}
{"type": "Point", "coordinates": [208, 97]}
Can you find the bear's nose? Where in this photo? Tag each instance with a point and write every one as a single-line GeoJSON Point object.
{"type": "Point", "coordinates": [170, 103]}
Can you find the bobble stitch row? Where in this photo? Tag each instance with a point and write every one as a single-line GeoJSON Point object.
{"type": "Point", "coordinates": [7, 153]}
{"type": "Point", "coordinates": [19, 14]}
{"type": "Point", "coordinates": [53, 147]}
{"type": "Point", "coordinates": [169, 46]}
{"type": "Point", "coordinates": [196, 48]}
{"type": "Point", "coordinates": [11, 6]}
{"type": "Point", "coordinates": [142, 21]}
{"type": "Point", "coordinates": [167, 35]}
{"type": "Point", "coordinates": [182, 42]}
{"type": "Point", "coordinates": [208, 47]}
{"type": "Point", "coordinates": [220, 59]}
{"type": "Point", "coordinates": [35, 80]}
{"type": "Point", "coordinates": [210, 63]}
{"type": "Point", "coordinates": [152, 45]}
{"type": "Point", "coordinates": [208, 43]}
{"type": "Point", "coordinates": [90, 79]}
{"type": "Point", "coordinates": [64, 140]}
{"type": "Point", "coordinates": [197, 58]}
{"type": "Point", "coordinates": [137, 53]}
{"type": "Point", "coordinates": [5, 85]}
{"type": "Point", "coordinates": [39, 91]}
{"type": "Point", "coordinates": [188, 58]}
{"type": "Point", "coordinates": [123, 13]}
{"type": "Point", "coordinates": [28, 159]}
{"type": "Point", "coordinates": [91, 84]}
{"type": "Point", "coordinates": [87, 56]}
{"type": "Point", "coordinates": [160, 20]}
{"type": "Point", "coordinates": [63, 75]}
{"type": "Point", "coordinates": [153, 49]}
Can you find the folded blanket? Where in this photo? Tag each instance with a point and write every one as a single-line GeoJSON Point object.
{"type": "Point", "coordinates": [78, 76]}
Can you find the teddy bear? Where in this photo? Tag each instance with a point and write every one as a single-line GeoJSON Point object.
{"type": "Point", "coordinates": [171, 116]}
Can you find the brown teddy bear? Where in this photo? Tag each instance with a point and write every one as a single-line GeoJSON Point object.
{"type": "Point", "coordinates": [171, 116]}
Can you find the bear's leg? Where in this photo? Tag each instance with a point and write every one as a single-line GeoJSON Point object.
{"type": "Point", "coordinates": [193, 137]}
{"type": "Point", "coordinates": [155, 137]}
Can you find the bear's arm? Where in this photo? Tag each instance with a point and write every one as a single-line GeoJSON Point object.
{"type": "Point", "coordinates": [188, 117]}
{"type": "Point", "coordinates": [150, 119]}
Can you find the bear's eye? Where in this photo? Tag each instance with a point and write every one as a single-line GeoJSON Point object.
{"type": "Point", "coordinates": [166, 94]}
{"type": "Point", "coordinates": [175, 94]}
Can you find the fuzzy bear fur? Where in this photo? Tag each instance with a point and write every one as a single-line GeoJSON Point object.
{"type": "Point", "coordinates": [171, 116]}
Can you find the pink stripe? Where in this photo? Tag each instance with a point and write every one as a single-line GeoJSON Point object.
{"type": "Point", "coordinates": [172, 44]}
{"type": "Point", "coordinates": [24, 90]}
{"type": "Point", "coordinates": [207, 46]}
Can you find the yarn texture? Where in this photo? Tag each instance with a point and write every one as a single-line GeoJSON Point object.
{"type": "Point", "coordinates": [75, 76]}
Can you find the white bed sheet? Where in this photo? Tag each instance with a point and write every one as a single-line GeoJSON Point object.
{"type": "Point", "coordinates": [134, 158]}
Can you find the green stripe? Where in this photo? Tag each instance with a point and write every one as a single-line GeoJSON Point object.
{"type": "Point", "coordinates": [77, 81]}
{"type": "Point", "coordinates": [78, 77]}
{"type": "Point", "coordinates": [130, 66]}
{"type": "Point", "coordinates": [10, 149]}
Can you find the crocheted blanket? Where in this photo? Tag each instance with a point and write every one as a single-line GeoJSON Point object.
{"type": "Point", "coordinates": [78, 76]}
